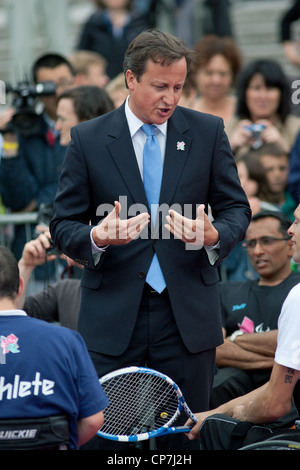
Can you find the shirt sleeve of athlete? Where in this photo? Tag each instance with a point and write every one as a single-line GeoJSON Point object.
{"type": "Point", "coordinates": [288, 342]}
{"type": "Point", "coordinates": [92, 398]}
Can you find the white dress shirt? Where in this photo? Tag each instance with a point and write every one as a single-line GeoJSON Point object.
{"type": "Point", "coordinates": [139, 137]}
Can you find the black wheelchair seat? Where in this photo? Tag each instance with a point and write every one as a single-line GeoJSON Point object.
{"type": "Point", "coordinates": [47, 433]}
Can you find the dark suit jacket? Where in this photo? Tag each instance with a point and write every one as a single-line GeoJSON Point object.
{"type": "Point", "coordinates": [100, 166]}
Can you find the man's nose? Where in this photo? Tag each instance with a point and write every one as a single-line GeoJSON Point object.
{"type": "Point", "coordinates": [169, 97]}
{"type": "Point", "coordinates": [258, 247]}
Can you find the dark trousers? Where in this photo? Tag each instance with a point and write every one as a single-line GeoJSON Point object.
{"type": "Point", "coordinates": [156, 343]}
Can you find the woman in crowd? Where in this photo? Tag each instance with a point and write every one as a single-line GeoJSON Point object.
{"type": "Point", "coordinates": [217, 63]}
{"type": "Point", "coordinates": [263, 109]}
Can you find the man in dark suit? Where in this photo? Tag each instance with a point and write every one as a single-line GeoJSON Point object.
{"type": "Point", "coordinates": [124, 321]}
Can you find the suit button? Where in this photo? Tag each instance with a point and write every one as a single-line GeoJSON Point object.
{"type": "Point", "coordinates": [142, 275]}
{"type": "Point", "coordinates": [155, 241]}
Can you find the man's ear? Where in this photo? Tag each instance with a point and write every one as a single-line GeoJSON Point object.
{"type": "Point", "coordinates": [21, 286]}
{"type": "Point", "coordinates": [130, 79]}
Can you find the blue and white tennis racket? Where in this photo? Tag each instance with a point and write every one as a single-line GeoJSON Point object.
{"type": "Point", "coordinates": [143, 404]}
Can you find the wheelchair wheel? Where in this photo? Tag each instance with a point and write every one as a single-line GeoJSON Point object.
{"type": "Point", "coordinates": [273, 444]}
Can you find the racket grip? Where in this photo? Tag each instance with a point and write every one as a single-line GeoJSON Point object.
{"type": "Point", "coordinates": [178, 429]}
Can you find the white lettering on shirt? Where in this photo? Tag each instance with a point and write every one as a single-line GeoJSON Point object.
{"type": "Point", "coordinates": [22, 388]}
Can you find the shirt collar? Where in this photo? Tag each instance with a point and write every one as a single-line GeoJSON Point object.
{"type": "Point", "coordinates": [12, 312]}
{"type": "Point", "coordinates": [135, 123]}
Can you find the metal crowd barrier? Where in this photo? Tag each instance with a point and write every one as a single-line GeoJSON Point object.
{"type": "Point", "coordinates": [7, 223]}
{"type": "Point", "coordinates": [17, 218]}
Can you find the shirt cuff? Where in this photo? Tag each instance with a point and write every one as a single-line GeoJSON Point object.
{"type": "Point", "coordinates": [213, 247]}
{"type": "Point", "coordinates": [212, 252]}
{"type": "Point", "coordinates": [96, 250]}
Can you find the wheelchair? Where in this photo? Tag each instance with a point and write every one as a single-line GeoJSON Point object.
{"type": "Point", "coordinates": [47, 433]}
{"type": "Point", "coordinates": [283, 442]}
{"type": "Point", "coordinates": [286, 439]}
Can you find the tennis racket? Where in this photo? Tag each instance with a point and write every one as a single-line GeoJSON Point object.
{"type": "Point", "coordinates": [143, 404]}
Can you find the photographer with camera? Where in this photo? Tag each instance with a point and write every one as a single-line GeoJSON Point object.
{"type": "Point", "coordinates": [31, 154]}
{"type": "Point", "coordinates": [263, 113]}
{"type": "Point", "coordinates": [60, 302]}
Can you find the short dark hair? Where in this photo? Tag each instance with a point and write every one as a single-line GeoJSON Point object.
{"type": "Point", "coordinates": [284, 221]}
{"type": "Point", "coordinates": [9, 274]}
{"type": "Point", "coordinates": [273, 76]}
{"type": "Point", "coordinates": [51, 61]}
{"type": "Point", "coordinates": [158, 46]}
{"type": "Point", "coordinates": [89, 101]}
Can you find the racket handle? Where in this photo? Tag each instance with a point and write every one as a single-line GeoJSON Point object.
{"type": "Point", "coordinates": [178, 429]}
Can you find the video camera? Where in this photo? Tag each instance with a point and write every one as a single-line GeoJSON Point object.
{"type": "Point", "coordinates": [27, 120]}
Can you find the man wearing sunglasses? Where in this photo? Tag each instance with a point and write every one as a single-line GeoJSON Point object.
{"type": "Point", "coordinates": [251, 309]}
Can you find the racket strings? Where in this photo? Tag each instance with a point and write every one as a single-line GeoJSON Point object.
{"type": "Point", "coordinates": [138, 403]}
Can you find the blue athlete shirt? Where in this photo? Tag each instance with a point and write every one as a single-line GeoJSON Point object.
{"type": "Point", "coordinates": [46, 370]}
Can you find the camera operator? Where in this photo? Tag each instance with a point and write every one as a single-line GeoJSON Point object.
{"type": "Point", "coordinates": [61, 300]}
{"type": "Point", "coordinates": [30, 162]}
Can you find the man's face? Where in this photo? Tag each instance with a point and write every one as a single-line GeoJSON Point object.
{"type": "Point", "coordinates": [97, 76]}
{"type": "Point", "coordinates": [63, 79]}
{"type": "Point", "coordinates": [270, 257]}
{"type": "Point", "coordinates": [94, 76]}
{"type": "Point", "coordinates": [154, 98]}
{"type": "Point", "coordinates": [294, 232]}
{"type": "Point", "coordinates": [66, 119]}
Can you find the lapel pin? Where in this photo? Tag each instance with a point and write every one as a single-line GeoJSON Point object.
{"type": "Point", "coordinates": [180, 146]}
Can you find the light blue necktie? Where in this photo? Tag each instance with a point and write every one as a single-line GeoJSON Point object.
{"type": "Point", "coordinates": [152, 175]}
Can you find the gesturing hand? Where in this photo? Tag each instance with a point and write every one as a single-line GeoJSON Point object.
{"type": "Point", "coordinates": [114, 231]}
{"type": "Point", "coordinates": [199, 231]}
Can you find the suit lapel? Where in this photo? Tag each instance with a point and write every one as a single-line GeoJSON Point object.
{"type": "Point", "coordinates": [177, 150]}
{"type": "Point", "coordinates": [122, 152]}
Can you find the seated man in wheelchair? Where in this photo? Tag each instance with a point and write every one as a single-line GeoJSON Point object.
{"type": "Point", "coordinates": [45, 372]}
{"type": "Point", "coordinates": [254, 416]}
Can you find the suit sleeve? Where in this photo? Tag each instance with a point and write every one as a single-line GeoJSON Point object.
{"type": "Point", "coordinates": [229, 204]}
{"type": "Point", "coordinates": [294, 173]}
{"type": "Point", "coordinates": [70, 229]}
